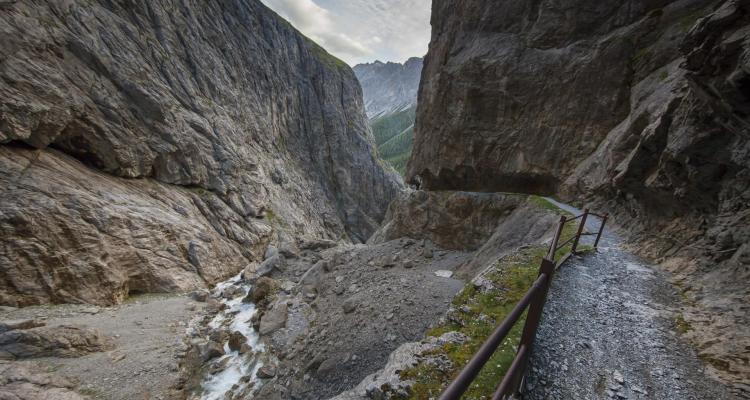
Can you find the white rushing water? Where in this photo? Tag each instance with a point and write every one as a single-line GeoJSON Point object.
{"type": "Point", "coordinates": [238, 365]}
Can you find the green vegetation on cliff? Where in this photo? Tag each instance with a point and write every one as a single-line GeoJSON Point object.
{"type": "Point", "coordinates": [476, 311]}
{"type": "Point", "coordinates": [394, 136]}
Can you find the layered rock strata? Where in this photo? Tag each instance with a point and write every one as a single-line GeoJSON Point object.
{"type": "Point", "coordinates": [152, 146]}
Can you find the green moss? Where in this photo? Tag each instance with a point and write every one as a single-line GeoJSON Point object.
{"type": "Point", "coordinates": [477, 312]}
{"type": "Point", "coordinates": [545, 204]}
{"type": "Point", "coordinates": [480, 312]}
{"type": "Point", "coordinates": [681, 325]}
{"type": "Point", "coordinates": [394, 137]}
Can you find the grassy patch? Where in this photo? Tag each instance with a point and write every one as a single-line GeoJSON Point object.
{"type": "Point", "coordinates": [545, 204]}
{"type": "Point", "coordinates": [681, 325]}
{"type": "Point", "coordinates": [476, 312]}
{"type": "Point", "coordinates": [394, 137]}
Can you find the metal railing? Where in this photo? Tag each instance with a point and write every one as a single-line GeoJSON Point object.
{"type": "Point", "coordinates": [534, 300]}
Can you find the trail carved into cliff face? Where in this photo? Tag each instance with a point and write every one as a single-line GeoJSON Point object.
{"type": "Point", "coordinates": [611, 329]}
{"type": "Point", "coordinates": [634, 107]}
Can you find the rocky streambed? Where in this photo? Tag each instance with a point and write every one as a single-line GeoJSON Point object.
{"type": "Point", "coordinates": [232, 347]}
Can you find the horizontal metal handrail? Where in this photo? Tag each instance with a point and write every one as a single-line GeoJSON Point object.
{"type": "Point", "coordinates": [510, 375]}
{"type": "Point", "coordinates": [568, 219]}
{"type": "Point", "coordinates": [565, 243]}
{"type": "Point", "coordinates": [534, 300]}
{"type": "Point", "coordinates": [475, 365]}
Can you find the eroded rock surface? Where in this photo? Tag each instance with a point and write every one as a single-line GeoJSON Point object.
{"type": "Point", "coordinates": [636, 107]}
{"type": "Point", "coordinates": [224, 117]}
{"type": "Point", "coordinates": [53, 341]}
{"type": "Point", "coordinates": [20, 382]}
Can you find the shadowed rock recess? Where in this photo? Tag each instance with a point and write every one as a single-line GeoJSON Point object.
{"type": "Point", "coordinates": [636, 107]}
{"type": "Point", "coordinates": [160, 146]}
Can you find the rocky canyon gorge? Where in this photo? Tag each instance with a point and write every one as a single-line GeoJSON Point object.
{"type": "Point", "coordinates": [197, 201]}
{"type": "Point", "coordinates": [156, 147]}
{"type": "Point", "coordinates": [636, 107]}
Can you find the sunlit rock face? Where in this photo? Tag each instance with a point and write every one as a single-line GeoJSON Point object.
{"type": "Point", "coordinates": [640, 108]}
{"type": "Point", "coordinates": [177, 132]}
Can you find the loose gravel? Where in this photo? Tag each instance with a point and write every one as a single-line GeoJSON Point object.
{"type": "Point", "coordinates": [609, 332]}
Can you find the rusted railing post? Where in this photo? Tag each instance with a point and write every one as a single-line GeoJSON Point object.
{"type": "Point", "coordinates": [580, 230]}
{"type": "Point", "coordinates": [601, 229]}
{"type": "Point", "coordinates": [512, 384]}
{"type": "Point", "coordinates": [556, 239]}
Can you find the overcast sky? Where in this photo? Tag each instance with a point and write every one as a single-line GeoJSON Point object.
{"type": "Point", "coordinates": [358, 31]}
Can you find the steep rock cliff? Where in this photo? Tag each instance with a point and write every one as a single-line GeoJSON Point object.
{"type": "Point", "coordinates": [636, 107]}
{"type": "Point", "coordinates": [200, 125]}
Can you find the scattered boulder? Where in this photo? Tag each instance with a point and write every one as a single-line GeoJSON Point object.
{"type": "Point", "coordinates": [53, 341]}
{"type": "Point", "coordinates": [274, 319]}
{"type": "Point", "coordinates": [288, 249]}
{"type": "Point", "coordinates": [288, 286]}
{"type": "Point", "coordinates": [236, 340]}
{"type": "Point", "coordinates": [267, 266]}
{"type": "Point", "coordinates": [261, 291]}
{"type": "Point", "coordinates": [200, 296]}
{"type": "Point", "coordinates": [211, 350]}
{"type": "Point", "coordinates": [271, 251]}
{"type": "Point", "coordinates": [11, 325]}
{"type": "Point", "coordinates": [349, 305]}
{"type": "Point", "coordinates": [443, 273]}
{"type": "Point", "coordinates": [21, 382]}
{"type": "Point", "coordinates": [245, 349]}
{"type": "Point", "coordinates": [318, 244]}
{"type": "Point", "coordinates": [249, 272]}
{"type": "Point", "coordinates": [266, 372]}
{"type": "Point", "coordinates": [214, 306]}
{"type": "Point", "coordinates": [231, 292]}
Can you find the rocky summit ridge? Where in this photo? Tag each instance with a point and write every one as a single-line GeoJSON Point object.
{"type": "Point", "coordinates": [389, 87]}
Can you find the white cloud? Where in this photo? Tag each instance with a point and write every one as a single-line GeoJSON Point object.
{"type": "Point", "coordinates": [362, 30]}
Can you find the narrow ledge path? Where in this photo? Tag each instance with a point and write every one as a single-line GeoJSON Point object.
{"type": "Point", "coordinates": [608, 332]}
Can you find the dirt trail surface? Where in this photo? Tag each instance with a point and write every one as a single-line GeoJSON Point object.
{"type": "Point", "coordinates": [147, 335]}
{"type": "Point", "coordinates": [610, 330]}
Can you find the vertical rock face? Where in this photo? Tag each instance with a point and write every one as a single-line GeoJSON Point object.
{"type": "Point", "coordinates": [638, 107]}
{"type": "Point", "coordinates": [389, 87]}
{"type": "Point", "coordinates": [200, 125]}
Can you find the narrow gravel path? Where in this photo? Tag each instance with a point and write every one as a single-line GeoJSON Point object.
{"type": "Point", "coordinates": [609, 333]}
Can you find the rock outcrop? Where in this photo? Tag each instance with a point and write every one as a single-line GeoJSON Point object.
{"type": "Point", "coordinates": [637, 107]}
{"type": "Point", "coordinates": [389, 87]}
{"type": "Point", "coordinates": [154, 146]}
{"type": "Point", "coordinates": [52, 341]}
{"type": "Point", "coordinates": [20, 382]}
{"type": "Point", "coordinates": [487, 224]}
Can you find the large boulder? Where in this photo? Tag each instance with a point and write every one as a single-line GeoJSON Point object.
{"type": "Point", "coordinates": [261, 291]}
{"type": "Point", "coordinates": [53, 341]}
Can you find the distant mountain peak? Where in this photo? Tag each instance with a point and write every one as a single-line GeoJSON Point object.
{"type": "Point", "coordinates": [389, 87]}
